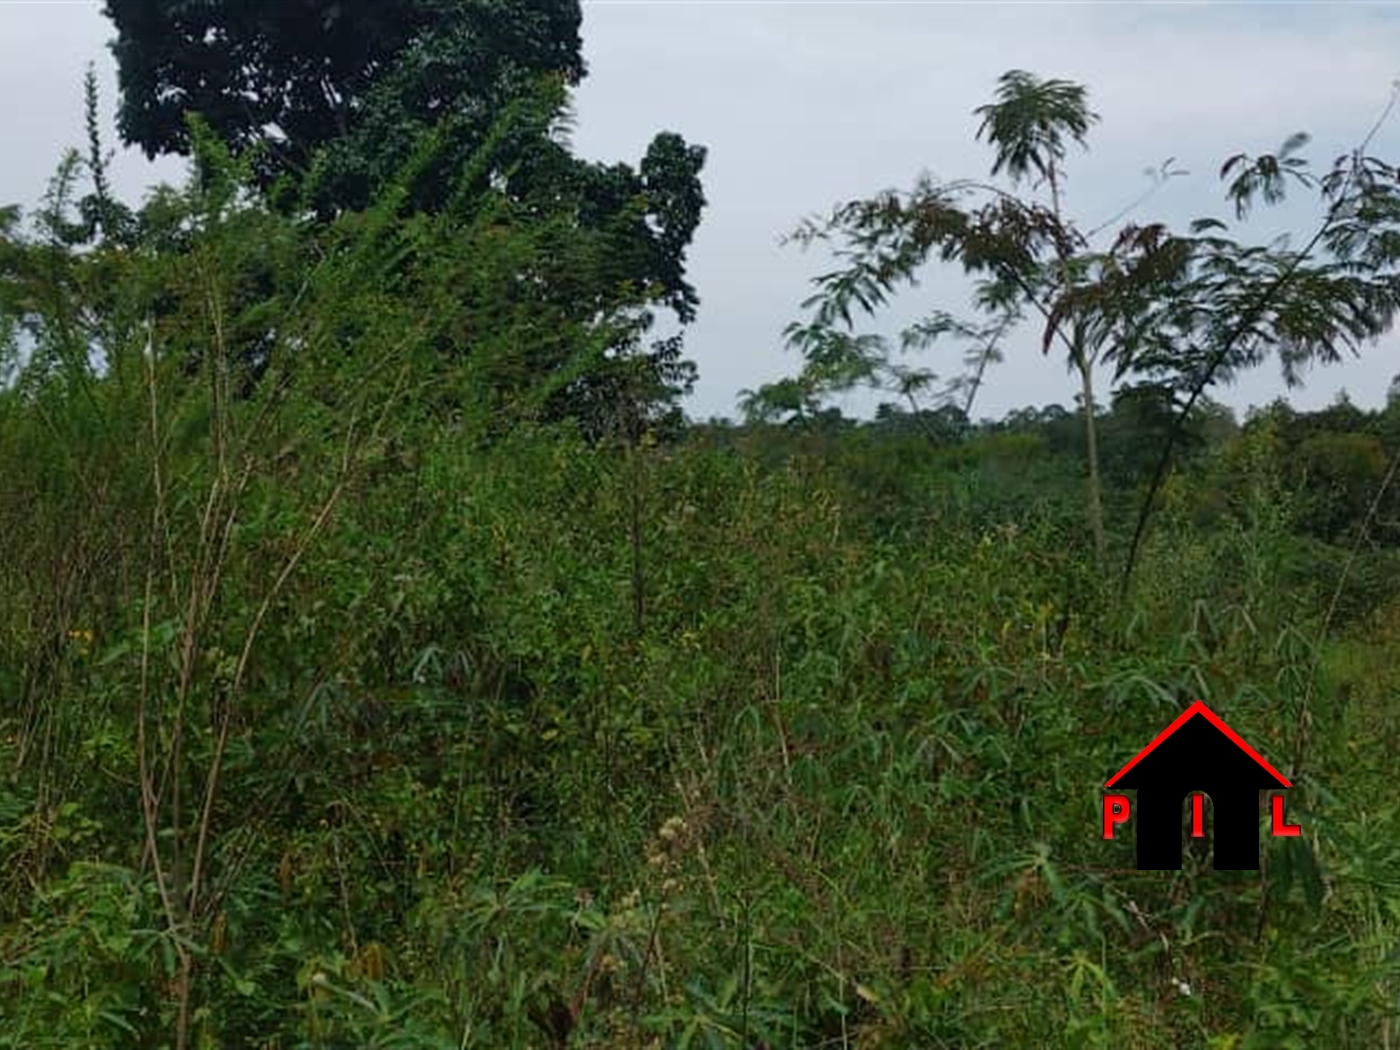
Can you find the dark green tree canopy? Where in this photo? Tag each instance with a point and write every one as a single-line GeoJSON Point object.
{"type": "Point", "coordinates": [292, 77]}
{"type": "Point", "coordinates": [645, 217]}
{"type": "Point", "coordinates": [327, 103]}
{"type": "Point", "coordinates": [330, 99]}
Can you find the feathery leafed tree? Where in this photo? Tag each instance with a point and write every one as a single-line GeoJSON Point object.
{"type": "Point", "coordinates": [1183, 311]}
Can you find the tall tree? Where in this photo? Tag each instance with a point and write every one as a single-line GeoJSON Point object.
{"type": "Point", "coordinates": [1184, 311]}
{"type": "Point", "coordinates": [1024, 251]}
{"type": "Point", "coordinates": [1030, 125]}
{"type": "Point", "coordinates": [355, 78]}
{"type": "Point", "coordinates": [327, 100]}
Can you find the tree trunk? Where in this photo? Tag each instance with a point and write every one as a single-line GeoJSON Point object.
{"type": "Point", "coordinates": [1086, 379]}
{"type": "Point", "coordinates": [1091, 437]}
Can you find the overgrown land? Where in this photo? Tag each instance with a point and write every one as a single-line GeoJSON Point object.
{"type": "Point", "coordinates": [386, 661]}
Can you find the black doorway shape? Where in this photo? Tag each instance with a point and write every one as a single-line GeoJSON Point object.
{"type": "Point", "coordinates": [1198, 752]}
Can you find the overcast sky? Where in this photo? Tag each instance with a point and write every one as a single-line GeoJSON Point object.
{"type": "Point", "coordinates": [806, 104]}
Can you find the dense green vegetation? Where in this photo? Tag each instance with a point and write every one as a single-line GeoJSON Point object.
{"type": "Point", "coordinates": [385, 662]}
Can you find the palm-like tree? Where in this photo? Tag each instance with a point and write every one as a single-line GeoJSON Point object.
{"type": "Point", "coordinates": [1030, 125]}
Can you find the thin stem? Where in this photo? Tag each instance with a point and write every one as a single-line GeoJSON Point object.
{"type": "Point", "coordinates": [1223, 353]}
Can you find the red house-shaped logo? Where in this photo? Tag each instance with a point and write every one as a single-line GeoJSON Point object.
{"type": "Point", "coordinates": [1197, 753]}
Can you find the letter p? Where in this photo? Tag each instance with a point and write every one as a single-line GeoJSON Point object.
{"type": "Point", "coordinates": [1115, 811]}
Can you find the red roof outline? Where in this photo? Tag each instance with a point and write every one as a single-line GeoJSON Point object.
{"type": "Point", "coordinates": [1199, 708]}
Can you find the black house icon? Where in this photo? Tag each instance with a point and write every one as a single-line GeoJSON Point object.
{"type": "Point", "coordinates": [1198, 752]}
